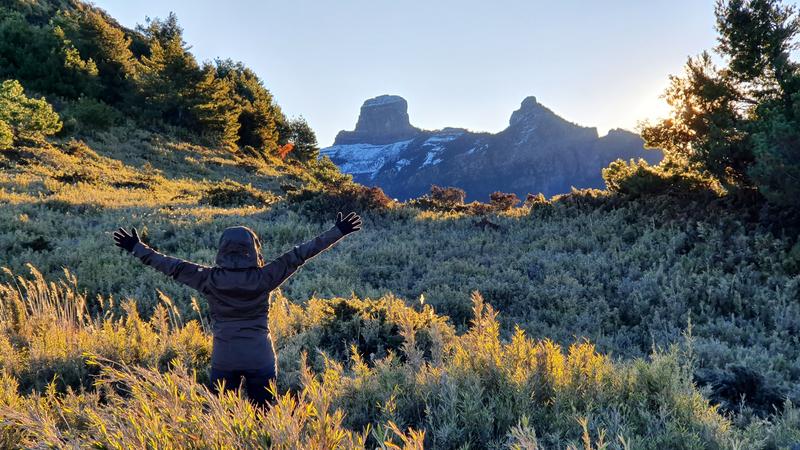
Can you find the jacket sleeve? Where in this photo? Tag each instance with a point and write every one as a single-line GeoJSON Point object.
{"type": "Point", "coordinates": [277, 271]}
{"type": "Point", "coordinates": [188, 273]}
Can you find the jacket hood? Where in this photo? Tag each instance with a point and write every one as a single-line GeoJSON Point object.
{"type": "Point", "coordinates": [239, 248]}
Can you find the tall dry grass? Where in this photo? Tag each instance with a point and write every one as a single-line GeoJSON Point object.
{"type": "Point", "coordinates": [353, 374]}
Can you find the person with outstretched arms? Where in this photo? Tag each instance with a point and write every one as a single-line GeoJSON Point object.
{"type": "Point", "coordinates": [237, 289]}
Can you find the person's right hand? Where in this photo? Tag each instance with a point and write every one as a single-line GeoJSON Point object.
{"type": "Point", "coordinates": [125, 240]}
{"type": "Point", "coordinates": [349, 224]}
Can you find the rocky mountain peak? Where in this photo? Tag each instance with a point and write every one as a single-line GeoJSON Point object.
{"type": "Point", "coordinates": [529, 111]}
{"type": "Point", "coordinates": [529, 102]}
{"type": "Point", "coordinates": [532, 119]}
{"type": "Point", "coordinates": [539, 152]}
{"type": "Point", "coordinates": [386, 100]}
{"type": "Point", "coordinates": [622, 133]}
{"type": "Point", "coordinates": [382, 119]}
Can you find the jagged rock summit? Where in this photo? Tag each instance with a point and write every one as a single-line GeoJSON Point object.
{"type": "Point", "coordinates": [529, 111]}
{"type": "Point", "coordinates": [539, 151]}
{"type": "Point", "coordinates": [533, 120]}
{"type": "Point", "coordinates": [382, 120]}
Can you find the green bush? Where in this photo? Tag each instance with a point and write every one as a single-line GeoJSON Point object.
{"type": "Point", "coordinates": [6, 135]}
{"type": "Point", "coordinates": [502, 201]}
{"type": "Point", "coordinates": [345, 197]}
{"type": "Point", "coordinates": [24, 117]}
{"type": "Point", "coordinates": [638, 178]}
{"type": "Point", "coordinates": [447, 197]}
{"type": "Point", "coordinates": [230, 194]}
{"type": "Point", "coordinates": [776, 170]}
{"type": "Point", "coordinates": [88, 114]}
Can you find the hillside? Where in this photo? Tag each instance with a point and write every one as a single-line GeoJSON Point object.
{"type": "Point", "coordinates": [661, 313]}
{"type": "Point", "coordinates": [538, 152]}
{"type": "Point", "coordinates": [624, 275]}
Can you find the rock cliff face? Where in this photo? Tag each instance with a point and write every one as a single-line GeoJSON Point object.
{"type": "Point", "coordinates": [538, 152]}
{"type": "Point", "coordinates": [382, 120]}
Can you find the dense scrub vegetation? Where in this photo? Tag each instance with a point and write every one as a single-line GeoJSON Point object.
{"type": "Point", "coordinates": [625, 274]}
{"type": "Point", "coordinates": [374, 373]}
{"type": "Point", "coordinates": [662, 313]}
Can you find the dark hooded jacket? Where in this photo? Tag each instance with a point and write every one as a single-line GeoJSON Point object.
{"type": "Point", "coordinates": [237, 290]}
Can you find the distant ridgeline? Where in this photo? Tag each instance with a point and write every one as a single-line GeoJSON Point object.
{"type": "Point", "coordinates": [538, 152]}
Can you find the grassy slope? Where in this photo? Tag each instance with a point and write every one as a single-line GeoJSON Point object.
{"type": "Point", "coordinates": [624, 275]}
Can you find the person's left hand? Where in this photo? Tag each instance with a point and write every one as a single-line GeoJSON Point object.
{"type": "Point", "coordinates": [349, 224]}
{"type": "Point", "coordinates": [125, 240]}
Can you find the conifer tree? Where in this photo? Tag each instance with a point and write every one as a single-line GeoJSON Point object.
{"type": "Point", "coordinates": [214, 109]}
{"type": "Point", "coordinates": [740, 123]}
{"type": "Point", "coordinates": [758, 37]}
{"type": "Point", "coordinates": [40, 56]}
{"type": "Point", "coordinates": [304, 140]}
{"type": "Point", "coordinates": [109, 47]}
{"type": "Point", "coordinates": [6, 135]}
{"type": "Point", "coordinates": [260, 117]}
{"type": "Point", "coordinates": [96, 68]}
{"type": "Point", "coordinates": [22, 117]}
{"type": "Point", "coordinates": [165, 77]}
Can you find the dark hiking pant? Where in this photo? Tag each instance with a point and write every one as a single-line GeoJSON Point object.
{"type": "Point", "coordinates": [254, 382]}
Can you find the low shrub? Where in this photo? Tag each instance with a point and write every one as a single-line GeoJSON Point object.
{"type": "Point", "coordinates": [88, 114]}
{"type": "Point", "coordinates": [76, 177]}
{"type": "Point", "coordinates": [346, 197]}
{"type": "Point", "coordinates": [533, 201]}
{"type": "Point", "coordinates": [352, 374]}
{"type": "Point", "coordinates": [479, 209]}
{"type": "Point", "coordinates": [538, 205]}
{"type": "Point", "coordinates": [229, 194]}
{"type": "Point", "coordinates": [502, 201]}
{"type": "Point", "coordinates": [638, 178]}
{"type": "Point", "coordinates": [447, 197]}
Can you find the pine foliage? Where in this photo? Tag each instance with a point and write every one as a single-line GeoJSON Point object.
{"type": "Point", "coordinates": [737, 124]}
{"type": "Point", "coordinates": [89, 66]}
{"type": "Point", "coordinates": [22, 117]}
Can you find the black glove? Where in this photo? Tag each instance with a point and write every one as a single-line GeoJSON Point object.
{"type": "Point", "coordinates": [349, 224]}
{"type": "Point", "coordinates": [124, 240]}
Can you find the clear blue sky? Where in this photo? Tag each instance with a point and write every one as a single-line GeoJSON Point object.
{"type": "Point", "coordinates": [459, 63]}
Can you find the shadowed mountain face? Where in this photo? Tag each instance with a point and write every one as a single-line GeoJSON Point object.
{"type": "Point", "coordinates": [538, 152]}
{"type": "Point", "coordinates": [383, 120]}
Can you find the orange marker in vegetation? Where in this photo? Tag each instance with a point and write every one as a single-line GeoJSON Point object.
{"type": "Point", "coordinates": [284, 150]}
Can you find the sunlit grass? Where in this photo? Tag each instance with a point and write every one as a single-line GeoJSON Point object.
{"type": "Point", "coordinates": [72, 378]}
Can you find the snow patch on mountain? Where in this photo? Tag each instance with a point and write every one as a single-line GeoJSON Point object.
{"type": "Point", "coordinates": [526, 133]}
{"type": "Point", "coordinates": [434, 147]}
{"type": "Point", "coordinates": [480, 148]}
{"type": "Point", "coordinates": [435, 140]}
{"type": "Point", "coordinates": [431, 159]}
{"type": "Point", "coordinates": [364, 159]}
